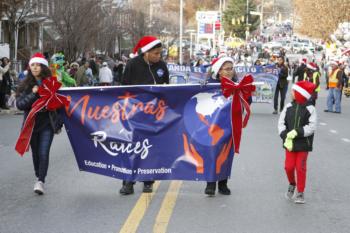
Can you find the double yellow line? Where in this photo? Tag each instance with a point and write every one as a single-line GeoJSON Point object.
{"type": "Point", "coordinates": [161, 223]}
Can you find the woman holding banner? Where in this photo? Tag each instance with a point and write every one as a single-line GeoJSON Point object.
{"type": "Point", "coordinates": [39, 124]}
{"type": "Point", "coordinates": [221, 67]}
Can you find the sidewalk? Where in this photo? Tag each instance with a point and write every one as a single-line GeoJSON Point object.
{"type": "Point", "coordinates": [11, 111]}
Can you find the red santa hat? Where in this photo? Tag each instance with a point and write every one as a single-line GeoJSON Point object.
{"type": "Point", "coordinates": [145, 44]}
{"type": "Point", "coordinates": [312, 66]}
{"type": "Point", "coordinates": [303, 60]}
{"type": "Point", "coordinates": [38, 58]}
{"type": "Point", "coordinates": [302, 91]}
{"type": "Point", "coordinates": [217, 63]}
{"type": "Point", "coordinates": [334, 63]}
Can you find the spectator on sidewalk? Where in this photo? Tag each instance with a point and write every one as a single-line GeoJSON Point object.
{"type": "Point", "coordinates": [105, 75]}
{"type": "Point", "coordinates": [5, 82]}
{"type": "Point", "coordinates": [80, 76]}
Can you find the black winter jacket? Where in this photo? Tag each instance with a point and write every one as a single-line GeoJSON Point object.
{"type": "Point", "coordinates": [138, 72]}
{"type": "Point", "coordinates": [300, 72]}
{"type": "Point", "coordinates": [43, 118]}
{"type": "Point", "coordinates": [303, 119]}
{"type": "Point", "coordinates": [282, 76]}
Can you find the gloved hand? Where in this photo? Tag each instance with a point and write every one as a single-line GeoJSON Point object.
{"type": "Point", "coordinates": [288, 144]}
{"type": "Point", "coordinates": [292, 134]}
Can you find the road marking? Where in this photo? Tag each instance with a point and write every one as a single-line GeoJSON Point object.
{"type": "Point", "coordinates": [333, 131]}
{"type": "Point", "coordinates": [346, 139]}
{"type": "Point", "coordinates": [169, 201]}
{"type": "Point", "coordinates": [139, 210]}
{"type": "Point", "coordinates": [322, 123]}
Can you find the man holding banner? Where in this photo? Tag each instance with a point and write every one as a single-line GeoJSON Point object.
{"type": "Point", "coordinates": [144, 69]}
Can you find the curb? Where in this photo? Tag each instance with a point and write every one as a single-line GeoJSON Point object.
{"type": "Point", "coordinates": [10, 112]}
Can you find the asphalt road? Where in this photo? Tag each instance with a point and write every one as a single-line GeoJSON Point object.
{"type": "Point", "coordinates": [83, 202]}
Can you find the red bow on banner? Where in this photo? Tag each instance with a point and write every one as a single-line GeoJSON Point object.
{"type": "Point", "coordinates": [241, 92]}
{"type": "Point", "coordinates": [50, 100]}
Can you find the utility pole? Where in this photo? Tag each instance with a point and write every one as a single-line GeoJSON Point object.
{"type": "Point", "coordinates": [247, 19]}
{"type": "Point", "coordinates": [247, 22]}
{"type": "Point", "coordinates": [262, 16]}
{"type": "Point", "coordinates": [274, 12]}
{"type": "Point", "coordinates": [181, 29]}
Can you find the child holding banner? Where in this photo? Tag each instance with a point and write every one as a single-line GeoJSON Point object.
{"type": "Point", "coordinates": [221, 67]}
{"type": "Point", "coordinates": [296, 126]}
{"type": "Point", "coordinates": [46, 123]}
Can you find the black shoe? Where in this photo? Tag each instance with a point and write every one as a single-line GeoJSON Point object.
{"type": "Point", "coordinates": [224, 190]}
{"type": "Point", "coordinates": [127, 188]}
{"type": "Point", "coordinates": [337, 112]}
{"type": "Point", "coordinates": [147, 188]}
{"type": "Point", "coordinates": [274, 112]}
{"type": "Point", "coordinates": [5, 107]}
{"type": "Point", "coordinates": [326, 110]}
{"type": "Point", "coordinates": [210, 189]}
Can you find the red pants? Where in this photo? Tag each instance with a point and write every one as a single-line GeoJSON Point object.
{"type": "Point", "coordinates": [296, 161]}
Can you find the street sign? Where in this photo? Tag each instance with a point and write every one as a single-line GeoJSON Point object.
{"type": "Point", "coordinates": [207, 16]}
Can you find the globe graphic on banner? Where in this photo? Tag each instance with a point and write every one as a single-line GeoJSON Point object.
{"type": "Point", "coordinates": [207, 118]}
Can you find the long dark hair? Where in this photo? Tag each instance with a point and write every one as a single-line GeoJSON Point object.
{"type": "Point", "coordinates": [30, 80]}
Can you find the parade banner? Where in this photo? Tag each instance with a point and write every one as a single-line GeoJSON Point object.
{"type": "Point", "coordinates": [180, 74]}
{"type": "Point", "coordinates": [141, 133]}
{"type": "Point", "coordinates": [265, 77]}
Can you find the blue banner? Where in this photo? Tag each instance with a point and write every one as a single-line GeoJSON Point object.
{"type": "Point", "coordinates": [180, 74]}
{"type": "Point", "coordinates": [265, 77]}
{"type": "Point", "coordinates": [141, 133]}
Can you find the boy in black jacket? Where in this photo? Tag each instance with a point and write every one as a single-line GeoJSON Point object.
{"type": "Point", "coordinates": [146, 68]}
{"type": "Point", "coordinates": [296, 127]}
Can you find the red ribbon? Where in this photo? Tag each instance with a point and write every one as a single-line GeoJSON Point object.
{"type": "Point", "coordinates": [50, 100]}
{"type": "Point", "coordinates": [241, 92]}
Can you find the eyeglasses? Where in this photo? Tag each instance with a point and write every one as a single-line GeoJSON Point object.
{"type": "Point", "coordinates": [228, 69]}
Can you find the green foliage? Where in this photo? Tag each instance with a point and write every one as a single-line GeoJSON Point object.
{"type": "Point", "coordinates": [237, 9]}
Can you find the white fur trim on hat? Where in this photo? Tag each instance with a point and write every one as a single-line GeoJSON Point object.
{"type": "Point", "coordinates": [217, 65]}
{"type": "Point", "coordinates": [311, 67]}
{"type": "Point", "coordinates": [39, 60]}
{"type": "Point", "coordinates": [302, 91]}
{"type": "Point", "coordinates": [150, 45]}
{"type": "Point", "coordinates": [334, 63]}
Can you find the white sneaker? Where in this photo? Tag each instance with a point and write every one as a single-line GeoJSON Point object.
{"type": "Point", "coordinates": [39, 188]}
{"type": "Point", "coordinates": [299, 198]}
{"type": "Point", "coordinates": [290, 193]}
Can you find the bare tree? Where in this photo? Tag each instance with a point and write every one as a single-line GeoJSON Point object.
{"type": "Point", "coordinates": [16, 11]}
{"type": "Point", "coordinates": [78, 23]}
{"type": "Point", "coordinates": [113, 27]}
{"type": "Point", "coordinates": [320, 18]}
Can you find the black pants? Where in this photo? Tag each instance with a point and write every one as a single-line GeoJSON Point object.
{"type": "Point", "coordinates": [41, 143]}
{"type": "Point", "coordinates": [220, 183]}
{"type": "Point", "coordinates": [282, 92]}
{"type": "Point", "coordinates": [144, 182]}
{"type": "Point", "coordinates": [2, 99]}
